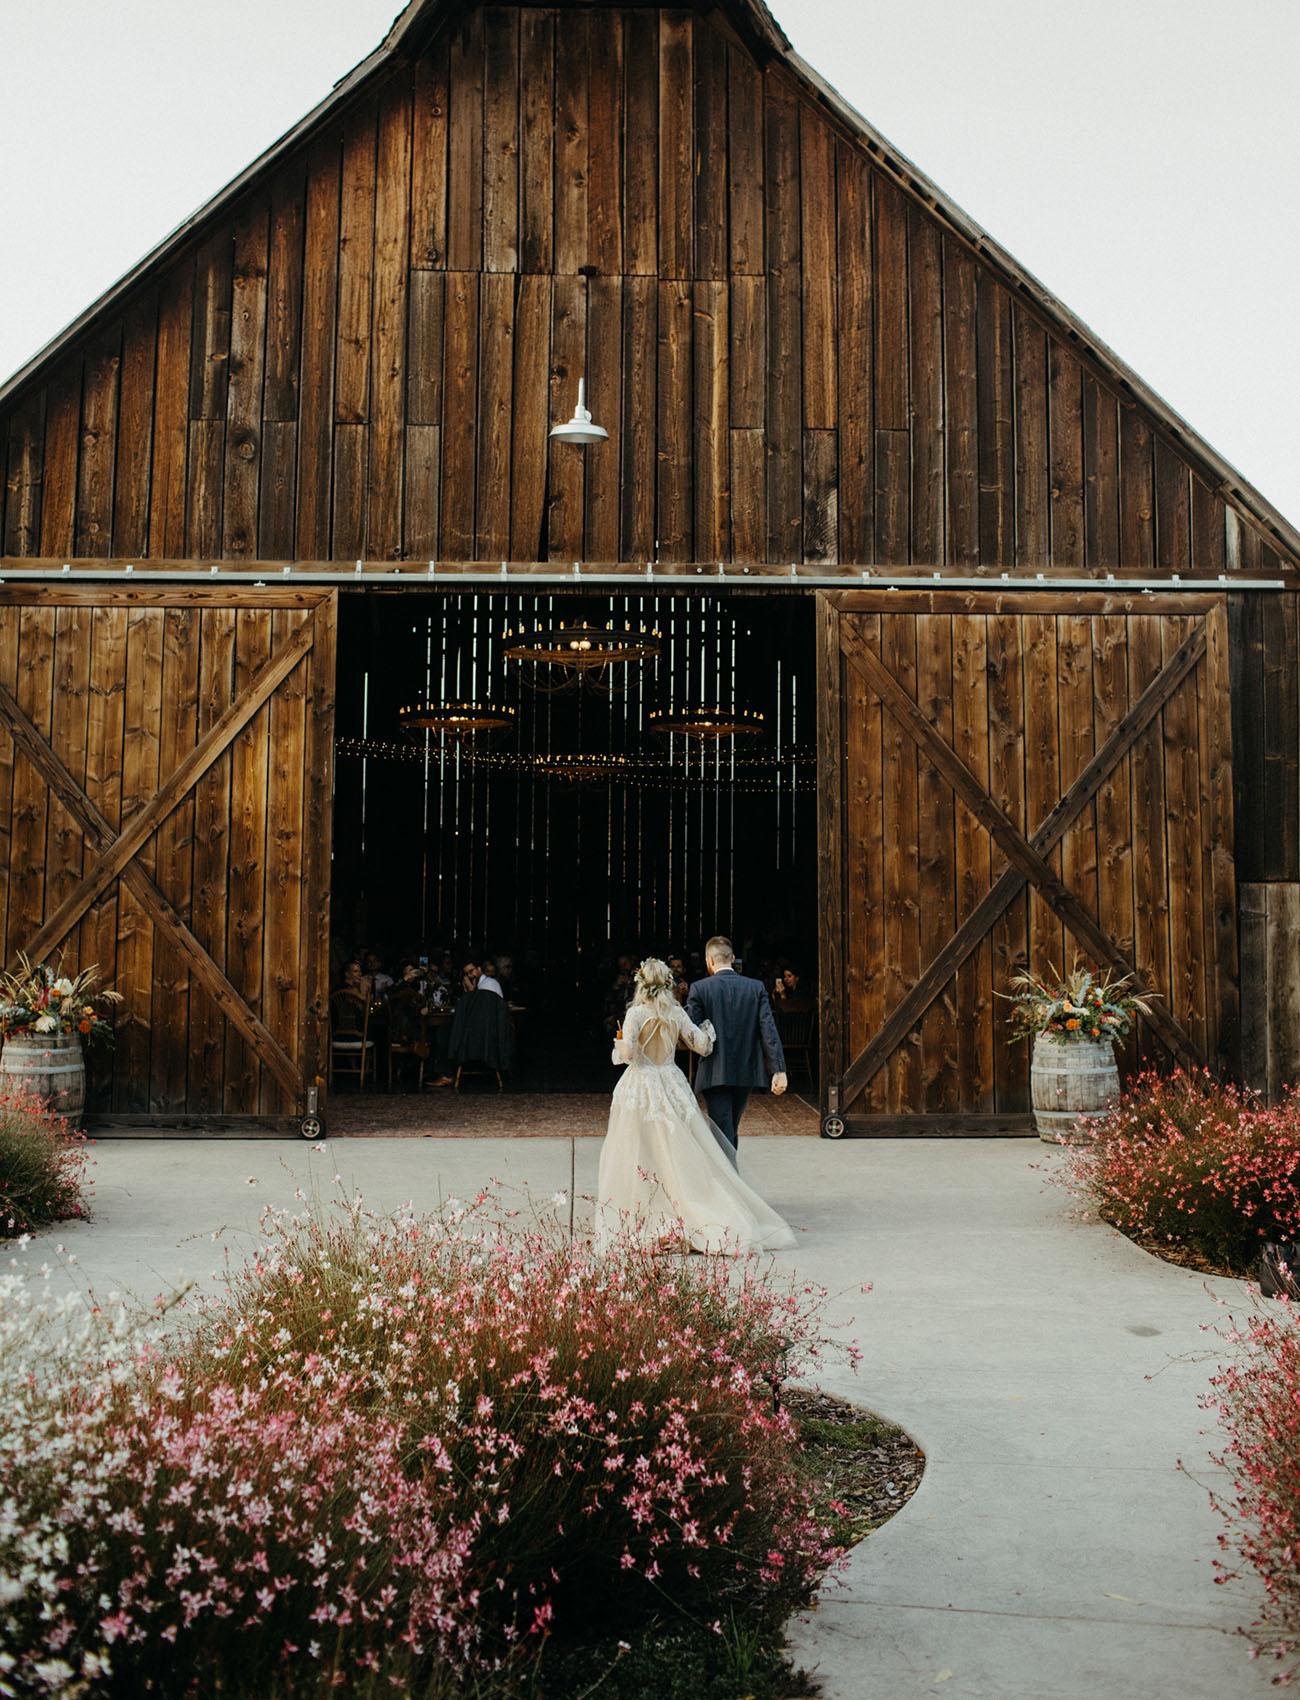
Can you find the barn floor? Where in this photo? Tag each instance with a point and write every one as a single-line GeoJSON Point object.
{"type": "Point", "coordinates": [1049, 1369]}
{"type": "Point", "coordinates": [480, 1112]}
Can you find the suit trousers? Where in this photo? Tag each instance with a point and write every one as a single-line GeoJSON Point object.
{"type": "Point", "coordinates": [726, 1107]}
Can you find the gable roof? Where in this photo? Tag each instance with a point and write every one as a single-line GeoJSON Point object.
{"type": "Point", "coordinates": [415, 28]}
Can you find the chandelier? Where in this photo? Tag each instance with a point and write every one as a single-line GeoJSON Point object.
{"type": "Point", "coordinates": [455, 719]}
{"type": "Point", "coordinates": [695, 721]}
{"type": "Point", "coordinates": [568, 657]}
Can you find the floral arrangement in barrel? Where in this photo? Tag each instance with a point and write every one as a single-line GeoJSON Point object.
{"type": "Point", "coordinates": [41, 999]}
{"type": "Point", "coordinates": [1083, 1004]}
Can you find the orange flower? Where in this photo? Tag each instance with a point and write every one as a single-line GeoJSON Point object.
{"type": "Point", "coordinates": [1072, 1024]}
{"type": "Point", "coordinates": [83, 1026]}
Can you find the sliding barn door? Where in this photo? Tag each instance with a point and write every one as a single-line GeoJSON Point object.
{"type": "Point", "coordinates": [1007, 781]}
{"type": "Point", "coordinates": [165, 807]}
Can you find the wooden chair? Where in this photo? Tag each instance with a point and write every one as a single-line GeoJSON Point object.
{"type": "Point", "coordinates": [406, 1036]}
{"type": "Point", "coordinates": [797, 1025]}
{"type": "Point", "coordinates": [351, 1047]}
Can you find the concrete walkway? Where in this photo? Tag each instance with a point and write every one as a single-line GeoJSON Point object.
{"type": "Point", "coordinates": [1049, 1369]}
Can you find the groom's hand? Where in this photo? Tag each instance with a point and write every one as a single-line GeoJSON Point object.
{"type": "Point", "coordinates": [778, 1085]}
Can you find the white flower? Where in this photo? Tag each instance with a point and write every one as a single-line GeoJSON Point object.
{"type": "Point", "coordinates": [62, 988]}
{"type": "Point", "coordinates": [47, 1024]}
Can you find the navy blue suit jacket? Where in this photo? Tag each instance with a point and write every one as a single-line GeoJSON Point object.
{"type": "Point", "coordinates": [747, 1050]}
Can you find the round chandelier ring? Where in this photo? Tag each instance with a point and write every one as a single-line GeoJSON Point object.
{"type": "Point", "coordinates": [456, 719]}
{"type": "Point", "coordinates": [697, 721]}
{"type": "Point", "coordinates": [582, 647]}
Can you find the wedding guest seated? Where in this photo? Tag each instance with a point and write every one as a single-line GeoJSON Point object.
{"type": "Point", "coordinates": [354, 980]}
{"type": "Point", "coordinates": [481, 1034]}
{"type": "Point", "coordinates": [379, 980]}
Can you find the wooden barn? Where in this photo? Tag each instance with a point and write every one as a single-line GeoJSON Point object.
{"type": "Point", "coordinates": [1009, 653]}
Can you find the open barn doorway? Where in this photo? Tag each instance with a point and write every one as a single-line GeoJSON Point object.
{"type": "Point", "coordinates": [553, 785]}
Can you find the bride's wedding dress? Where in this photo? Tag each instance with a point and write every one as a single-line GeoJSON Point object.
{"type": "Point", "coordinates": [663, 1167]}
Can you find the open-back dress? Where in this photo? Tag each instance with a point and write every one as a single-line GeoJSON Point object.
{"type": "Point", "coordinates": [665, 1171]}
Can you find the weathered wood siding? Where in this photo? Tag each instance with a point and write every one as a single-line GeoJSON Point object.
{"type": "Point", "coordinates": [1013, 781]}
{"type": "Point", "coordinates": [797, 360]}
{"type": "Point", "coordinates": [165, 813]}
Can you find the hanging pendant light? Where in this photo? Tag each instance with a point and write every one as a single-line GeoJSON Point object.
{"type": "Point", "coordinates": [581, 429]}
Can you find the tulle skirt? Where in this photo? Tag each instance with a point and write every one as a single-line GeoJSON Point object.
{"type": "Point", "coordinates": [668, 1174]}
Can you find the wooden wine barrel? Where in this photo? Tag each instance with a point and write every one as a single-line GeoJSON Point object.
{"type": "Point", "coordinates": [1072, 1082]}
{"type": "Point", "coordinates": [51, 1066]}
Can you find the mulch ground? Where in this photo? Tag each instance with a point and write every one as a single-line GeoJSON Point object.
{"type": "Point", "coordinates": [867, 1464]}
{"type": "Point", "coordinates": [479, 1113]}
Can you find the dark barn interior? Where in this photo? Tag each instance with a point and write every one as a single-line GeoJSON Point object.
{"type": "Point", "coordinates": [579, 831]}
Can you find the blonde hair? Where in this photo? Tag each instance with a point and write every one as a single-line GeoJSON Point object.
{"type": "Point", "coordinates": [719, 949]}
{"type": "Point", "coordinates": [655, 984]}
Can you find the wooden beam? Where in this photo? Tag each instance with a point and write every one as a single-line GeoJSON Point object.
{"type": "Point", "coordinates": [142, 825]}
{"type": "Point", "coordinates": [1024, 867]}
{"type": "Point", "coordinates": [101, 836]}
{"type": "Point", "coordinates": [940, 1125]}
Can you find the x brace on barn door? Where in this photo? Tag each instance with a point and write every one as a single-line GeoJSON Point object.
{"type": "Point", "coordinates": [118, 850]}
{"type": "Point", "coordinates": [1027, 856]}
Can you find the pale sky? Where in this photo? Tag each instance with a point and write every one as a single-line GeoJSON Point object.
{"type": "Point", "coordinates": [1141, 157]}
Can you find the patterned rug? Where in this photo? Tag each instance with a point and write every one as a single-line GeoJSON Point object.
{"type": "Point", "coordinates": [480, 1113]}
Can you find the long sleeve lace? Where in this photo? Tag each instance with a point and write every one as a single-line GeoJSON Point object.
{"type": "Point", "coordinates": [698, 1039]}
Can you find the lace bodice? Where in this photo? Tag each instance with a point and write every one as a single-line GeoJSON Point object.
{"type": "Point", "coordinates": [650, 1037]}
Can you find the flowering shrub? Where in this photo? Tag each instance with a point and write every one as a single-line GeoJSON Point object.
{"type": "Point", "coordinates": [421, 1445]}
{"type": "Point", "coordinates": [1257, 1398]}
{"type": "Point", "coordinates": [42, 1161]}
{"type": "Point", "coordinates": [1184, 1161]}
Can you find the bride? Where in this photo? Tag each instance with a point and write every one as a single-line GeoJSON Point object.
{"type": "Point", "coordinates": [664, 1167]}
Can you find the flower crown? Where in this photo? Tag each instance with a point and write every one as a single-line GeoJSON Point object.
{"type": "Point", "coordinates": [654, 976]}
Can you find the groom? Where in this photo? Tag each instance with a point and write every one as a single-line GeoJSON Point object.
{"type": "Point", "coordinates": [747, 1050]}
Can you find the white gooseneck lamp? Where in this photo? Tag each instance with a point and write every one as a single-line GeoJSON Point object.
{"type": "Point", "coordinates": [581, 429]}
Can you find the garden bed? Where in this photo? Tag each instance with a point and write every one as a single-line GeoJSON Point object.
{"type": "Point", "coordinates": [433, 1456]}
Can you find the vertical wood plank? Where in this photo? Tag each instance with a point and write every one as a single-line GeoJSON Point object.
{"type": "Point", "coordinates": [284, 293]}
{"type": "Point", "coordinates": [174, 849]}
{"type": "Point", "coordinates": [22, 505]}
{"type": "Point", "coordinates": [282, 988]}
{"type": "Point", "coordinates": [430, 101]}
{"type": "Point", "coordinates": [465, 147]}
{"type": "Point", "coordinates": [537, 140]}
{"type": "Point", "coordinates": [977, 1010]}
{"type": "Point", "coordinates": [890, 501]}
{"type": "Point", "coordinates": [640, 411]}
{"type": "Point", "coordinates": [501, 97]}
{"type": "Point", "coordinates": [1215, 711]}
{"type": "Point", "coordinates": [890, 232]}
{"type": "Point", "coordinates": [674, 422]}
{"type": "Point", "coordinates": [993, 343]}
{"type": "Point", "coordinates": [1209, 530]}
{"type": "Point", "coordinates": [1136, 493]}
{"type": "Point", "coordinates": [820, 497]}
{"type": "Point", "coordinates": [250, 765]}
{"type": "Point", "coordinates": [818, 250]}
{"type": "Point", "coordinates": [105, 712]}
{"type": "Point", "coordinates": [133, 1057]}
{"type": "Point", "coordinates": [784, 328]}
{"type": "Point", "coordinates": [857, 480]}
{"type": "Point", "coordinates": [748, 495]}
{"type": "Point", "coordinates": [1076, 697]}
{"type": "Point", "coordinates": [1184, 835]}
{"type": "Point", "coordinates": [641, 144]}
{"type": "Point", "coordinates": [832, 911]}
{"type": "Point", "coordinates": [1150, 856]}
{"type": "Point", "coordinates": [1032, 546]}
{"type": "Point", "coordinates": [1282, 928]}
{"type": "Point", "coordinates": [211, 872]}
{"type": "Point", "coordinates": [392, 242]}
{"type": "Point", "coordinates": [277, 494]}
{"type": "Point", "coordinates": [925, 386]}
{"type": "Point", "coordinates": [424, 349]}
{"type": "Point", "coordinates": [347, 532]}
{"type": "Point", "coordinates": [940, 1083]}
{"type": "Point", "coordinates": [135, 414]}
{"type": "Point", "coordinates": [98, 445]}
{"type": "Point", "coordinates": [712, 243]}
{"type": "Point", "coordinates": [1007, 752]}
{"type": "Point", "coordinates": [167, 509]}
{"type": "Point", "coordinates": [712, 446]}
{"type": "Point", "coordinates": [318, 823]}
{"type": "Point", "coordinates": [745, 161]}
{"type": "Point", "coordinates": [605, 154]}
{"type": "Point", "coordinates": [243, 449]}
{"type": "Point", "coordinates": [1254, 978]}
{"type": "Point", "coordinates": [1280, 668]}
{"type": "Point", "coordinates": [356, 263]}
{"type": "Point", "coordinates": [572, 84]}
{"type": "Point", "coordinates": [902, 861]}
{"type": "Point", "coordinates": [64, 842]}
{"type": "Point", "coordinates": [316, 404]}
{"type": "Point", "coordinates": [204, 483]}
{"type": "Point", "coordinates": [1065, 403]}
{"type": "Point", "coordinates": [496, 383]}
{"type": "Point", "coordinates": [9, 821]}
{"type": "Point", "coordinates": [859, 939]}
{"type": "Point", "coordinates": [566, 484]}
{"type": "Point", "coordinates": [961, 399]}
{"type": "Point", "coordinates": [1173, 510]}
{"type": "Point", "coordinates": [1048, 948]}
{"type": "Point", "coordinates": [421, 491]}
{"type": "Point", "coordinates": [532, 342]}
{"type": "Point", "coordinates": [59, 468]}
{"type": "Point", "coordinates": [605, 397]}
{"type": "Point", "coordinates": [676, 145]}
{"type": "Point", "coordinates": [460, 401]}
{"type": "Point", "coordinates": [1100, 476]}
{"type": "Point", "coordinates": [210, 342]}
{"type": "Point", "coordinates": [1113, 806]}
